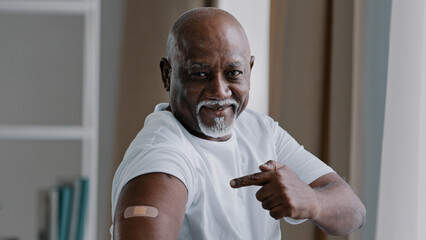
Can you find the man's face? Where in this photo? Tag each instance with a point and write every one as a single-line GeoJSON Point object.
{"type": "Point", "coordinates": [210, 81]}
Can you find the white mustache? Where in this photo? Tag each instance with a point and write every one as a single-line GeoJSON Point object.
{"type": "Point", "coordinates": [225, 102]}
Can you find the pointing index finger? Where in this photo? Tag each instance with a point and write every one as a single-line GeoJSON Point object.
{"type": "Point", "coordinates": [257, 179]}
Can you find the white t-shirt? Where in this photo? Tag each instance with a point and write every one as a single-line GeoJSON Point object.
{"type": "Point", "coordinates": [214, 210]}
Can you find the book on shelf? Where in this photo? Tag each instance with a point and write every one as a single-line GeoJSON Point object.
{"type": "Point", "coordinates": [81, 187]}
{"type": "Point", "coordinates": [75, 208]}
{"type": "Point", "coordinates": [65, 207]}
{"type": "Point", "coordinates": [68, 206]}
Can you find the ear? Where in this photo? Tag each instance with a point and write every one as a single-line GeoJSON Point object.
{"type": "Point", "coordinates": [251, 62]}
{"type": "Point", "coordinates": [166, 70]}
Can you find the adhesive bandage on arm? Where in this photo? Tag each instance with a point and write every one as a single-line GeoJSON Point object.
{"type": "Point", "coordinates": [140, 211]}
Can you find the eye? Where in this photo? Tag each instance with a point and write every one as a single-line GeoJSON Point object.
{"type": "Point", "coordinates": [199, 74]}
{"type": "Point", "coordinates": [234, 73]}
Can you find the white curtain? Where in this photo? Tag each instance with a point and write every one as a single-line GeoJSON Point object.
{"type": "Point", "coordinates": [402, 194]}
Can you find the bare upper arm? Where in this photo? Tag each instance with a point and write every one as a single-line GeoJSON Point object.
{"type": "Point", "coordinates": [162, 191]}
{"type": "Point", "coordinates": [327, 179]}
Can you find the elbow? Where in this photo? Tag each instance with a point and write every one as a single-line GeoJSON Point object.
{"type": "Point", "coordinates": [358, 220]}
{"type": "Point", "coordinates": [352, 222]}
{"type": "Point", "coordinates": [362, 213]}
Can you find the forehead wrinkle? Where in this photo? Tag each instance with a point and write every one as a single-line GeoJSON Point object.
{"type": "Point", "coordinates": [199, 65]}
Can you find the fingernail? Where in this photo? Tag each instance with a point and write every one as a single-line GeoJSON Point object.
{"type": "Point", "coordinates": [233, 183]}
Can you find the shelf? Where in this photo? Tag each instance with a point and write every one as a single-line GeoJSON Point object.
{"type": "Point", "coordinates": [87, 132]}
{"type": "Point", "coordinates": [45, 132]}
{"type": "Point", "coordinates": [53, 7]}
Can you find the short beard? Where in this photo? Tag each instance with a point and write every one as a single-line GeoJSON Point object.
{"type": "Point", "coordinates": [220, 129]}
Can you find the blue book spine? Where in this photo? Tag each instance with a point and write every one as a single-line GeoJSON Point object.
{"type": "Point", "coordinates": [65, 203]}
{"type": "Point", "coordinates": [75, 209]}
{"type": "Point", "coordinates": [83, 208]}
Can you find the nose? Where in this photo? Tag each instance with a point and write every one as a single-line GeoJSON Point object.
{"type": "Point", "coordinates": [218, 88]}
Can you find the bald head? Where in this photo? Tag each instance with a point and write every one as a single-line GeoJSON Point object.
{"type": "Point", "coordinates": [201, 24]}
{"type": "Point", "coordinates": [207, 72]}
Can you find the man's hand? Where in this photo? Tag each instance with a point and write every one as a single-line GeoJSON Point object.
{"type": "Point", "coordinates": [282, 193]}
{"type": "Point", "coordinates": [328, 202]}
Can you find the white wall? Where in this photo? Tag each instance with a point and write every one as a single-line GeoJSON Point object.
{"type": "Point", "coordinates": [254, 16]}
{"type": "Point", "coordinates": [401, 211]}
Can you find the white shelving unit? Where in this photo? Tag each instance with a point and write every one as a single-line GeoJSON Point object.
{"type": "Point", "coordinates": [88, 131]}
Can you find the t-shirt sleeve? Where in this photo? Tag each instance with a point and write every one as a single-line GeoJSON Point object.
{"type": "Point", "coordinates": [160, 158]}
{"type": "Point", "coordinates": [289, 152]}
{"type": "Point", "coordinates": [306, 166]}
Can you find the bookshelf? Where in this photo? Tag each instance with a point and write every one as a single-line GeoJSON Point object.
{"type": "Point", "coordinates": [86, 131]}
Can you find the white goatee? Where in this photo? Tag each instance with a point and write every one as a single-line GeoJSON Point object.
{"type": "Point", "coordinates": [219, 129]}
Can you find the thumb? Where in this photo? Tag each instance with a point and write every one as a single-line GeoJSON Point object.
{"type": "Point", "coordinates": [270, 165]}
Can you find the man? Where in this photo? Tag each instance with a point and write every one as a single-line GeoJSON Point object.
{"type": "Point", "coordinates": [184, 174]}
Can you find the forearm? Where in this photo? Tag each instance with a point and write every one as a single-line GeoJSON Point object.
{"type": "Point", "coordinates": [340, 211]}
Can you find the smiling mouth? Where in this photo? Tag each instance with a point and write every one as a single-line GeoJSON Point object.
{"type": "Point", "coordinates": [218, 106]}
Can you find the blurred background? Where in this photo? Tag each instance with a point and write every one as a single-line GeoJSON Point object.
{"type": "Point", "coordinates": [346, 78]}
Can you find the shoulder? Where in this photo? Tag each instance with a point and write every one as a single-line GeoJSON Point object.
{"type": "Point", "coordinates": [160, 146]}
{"type": "Point", "coordinates": [159, 126]}
{"type": "Point", "coordinates": [251, 120]}
{"type": "Point", "coordinates": [250, 115]}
